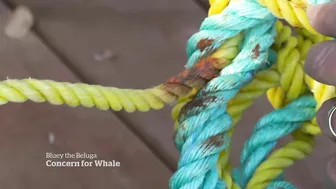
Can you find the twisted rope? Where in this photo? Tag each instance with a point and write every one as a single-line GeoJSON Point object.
{"type": "Point", "coordinates": [229, 65]}
{"type": "Point", "coordinates": [76, 94]}
{"type": "Point", "coordinates": [204, 122]}
{"type": "Point", "coordinates": [130, 100]}
{"type": "Point", "coordinates": [292, 83]}
{"type": "Point", "coordinates": [281, 159]}
{"type": "Point", "coordinates": [292, 11]}
{"type": "Point", "coordinates": [293, 89]}
{"type": "Point", "coordinates": [303, 138]}
{"type": "Point", "coordinates": [267, 132]}
{"type": "Point", "coordinates": [303, 142]}
{"type": "Point", "coordinates": [225, 53]}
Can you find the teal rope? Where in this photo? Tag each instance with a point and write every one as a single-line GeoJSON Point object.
{"type": "Point", "coordinates": [268, 130]}
{"type": "Point", "coordinates": [280, 185]}
{"type": "Point", "coordinates": [204, 122]}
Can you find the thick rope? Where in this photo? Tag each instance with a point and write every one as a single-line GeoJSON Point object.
{"type": "Point", "coordinates": [76, 94]}
{"type": "Point", "coordinates": [303, 142]}
{"type": "Point", "coordinates": [292, 83]}
{"type": "Point", "coordinates": [208, 109]}
{"type": "Point", "coordinates": [130, 100]}
{"type": "Point", "coordinates": [304, 137]}
{"type": "Point", "coordinates": [244, 99]}
{"type": "Point", "coordinates": [265, 136]}
{"type": "Point", "coordinates": [218, 6]}
{"type": "Point", "coordinates": [294, 12]}
{"type": "Point", "coordinates": [281, 159]}
{"type": "Point", "coordinates": [262, 82]}
{"type": "Point", "coordinates": [279, 96]}
{"type": "Point", "coordinates": [225, 53]}
{"type": "Point", "coordinates": [286, 84]}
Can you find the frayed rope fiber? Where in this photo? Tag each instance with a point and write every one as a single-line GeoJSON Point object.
{"type": "Point", "coordinates": [241, 52]}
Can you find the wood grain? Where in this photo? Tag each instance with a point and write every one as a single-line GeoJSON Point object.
{"type": "Point", "coordinates": [148, 51]}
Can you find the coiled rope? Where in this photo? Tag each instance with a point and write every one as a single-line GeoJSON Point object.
{"type": "Point", "coordinates": [240, 53]}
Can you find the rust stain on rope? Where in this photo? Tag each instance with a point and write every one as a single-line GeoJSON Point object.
{"type": "Point", "coordinates": [215, 141]}
{"type": "Point", "coordinates": [194, 77]}
{"type": "Point", "coordinates": [204, 43]}
{"type": "Point", "coordinates": [256, 52]}
{"type": "Point", "coordinates": [198, 104]}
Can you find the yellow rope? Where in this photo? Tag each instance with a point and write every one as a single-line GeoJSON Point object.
{"type": "Point", "coordinates": [303, 142]}
{"type": "Point", "coordinates": [293, 11]}
{"type": "Point", "coordinates": [263, 81]}
{"type": "Point", "coordinates": [292, 75]}
{"type": "Point", "coordinates": [217, 6]}
{"type": "Point", "coordinates": [321, 92]}
{"type": "Point", "coordinates": [280, 159]}
{"type": "Point", "coordinates": [225, 53]}
{"type": "Point", "coordinates": [76, 94]}
{"type": "Point", "coordinates": [105, 98]}
{"type": "Point", "coordinates": [244, 99]}
{"type": "Point", "coordinates": [292, 52]}
{"type": "Point", "coordinates": [221, 54]}
{"type": "Point", "coordinates": [291, 55]}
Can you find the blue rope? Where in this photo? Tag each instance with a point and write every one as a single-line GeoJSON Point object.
{"type": "Point", "coordinates": [205, 122]}
{"type": "Point", "coordinates": [280, 185]}
{"type": "Point", "coordinates": [268, 130]}
{"type": "Point", "coordinates": [271, 128]}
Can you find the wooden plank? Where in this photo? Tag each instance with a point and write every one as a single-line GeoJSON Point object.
{"type": "Point", "coordinates": [148, 51]}
{"type": "Point", "coordinates": [25, 129]}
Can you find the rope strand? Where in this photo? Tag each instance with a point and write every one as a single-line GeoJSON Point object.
{"type": "Point", "coordinates": [200, 146]}
{"type": "Point", "coordinates": [272, 127]}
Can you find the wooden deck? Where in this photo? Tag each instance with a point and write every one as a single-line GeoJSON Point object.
{"type": "Point", "coordinates": [148, 39]}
